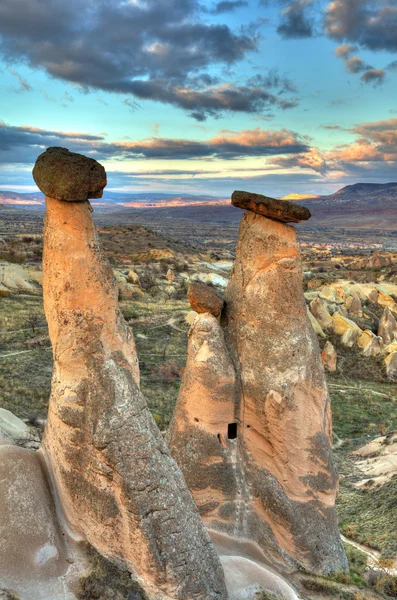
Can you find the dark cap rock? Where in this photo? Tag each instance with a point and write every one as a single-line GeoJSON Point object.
{"type": "Point", "coordinates": [68, 176]}
{"type": "Point", "coordinates": [279, 210]}
{"type": "Point", "coordinates": [204, 299]}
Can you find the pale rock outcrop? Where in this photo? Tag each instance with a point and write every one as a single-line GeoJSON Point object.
{"type": "Point", "coordinates": [329, 357]}
{"type": "Point", "coordinates": [315, 324]}
{"type": "Point", "coordinates": [369, 343]}
{"type": "Point", "coordinates": [205, 299]}
{"type": "Point", "coordinates": [354, 307]}
{"type": "Point", "coordinates": [170, 275]}
{"type": "Point", "coordinates": [319, 309]}
{"type": "Point", "coordinates": [346, 328]}
{"type": "Point", "coordinates": [329, 294]}
{"type": "Point", "coordinates": [133, 278]}
{"type": "Point", "coordinates": [387, 328]}
{"type": "Point", "coordinates": [385, 300]}
{"type": "Point", "coordinates": [391, 366]}
{"type": "Point", "coordinates": [252, 426]}
{"type": "Point", "coordinates": [117, 483]}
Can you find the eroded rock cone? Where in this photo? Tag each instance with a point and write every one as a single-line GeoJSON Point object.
{"type": "Point", "coordinates": [255, 448]}
{"type": "Point", "coordinates": [118, 485]}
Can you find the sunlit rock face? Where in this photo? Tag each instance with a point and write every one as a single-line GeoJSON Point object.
{"type": "Point", "coordinates": [116, 481]}
{"type": "Point", "coordinates": [252, 427]}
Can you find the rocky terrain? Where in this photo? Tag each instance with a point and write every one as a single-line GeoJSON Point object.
{"type": "Point", "coordinates": [350, 296]}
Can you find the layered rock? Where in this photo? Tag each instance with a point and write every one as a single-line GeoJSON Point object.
{"type": "Point", "coordinates": [117, 483]}
{"type": "Point", "coordinates": [252, 426]}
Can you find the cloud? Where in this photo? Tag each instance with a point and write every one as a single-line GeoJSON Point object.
{"type": "Point", "coordinates": [158, 49]}
{"type": "Point", "coordinates": [368, 23]}
{"type": "Point", "coordinates": [295, 20]}
{"type": "Point", "coordinates": [23, 84]}
{"type": "Point", "coordinates": [23, 144]}
{"type": "Point", "coordinates": [312, 159]}
{"type": "Point", "coordinates": [355, 64]}
{"type": "Point", "coordinates": [392, 66]}
{"type": "Point", "coordinates": [374, 76]}
{"type": "Point", "coordinates": [227, 6]}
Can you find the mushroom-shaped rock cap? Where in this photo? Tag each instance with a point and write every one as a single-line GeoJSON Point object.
{"type": "Point", "coordinates": [64, 175]}
{"type": "Point", "coordinates": [279, 210]}
{"type": "Point", "coordinates": [204, 299]}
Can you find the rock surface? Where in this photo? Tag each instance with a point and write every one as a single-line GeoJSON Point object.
{"type": "Point", "coordinates": [118, 485]}
{"type": "Point", "coordinates": [252, 426]}
{"type": "Point", "coordinates": [67, 176]}
{"type": "Point", "coordinates": [37, 559]}
{"type": "Point", "coordinates": [387, 329]}
{"type": "Point", "coordinates": [204, 299]}
{"type": "Point", "coordinates": [329, 357]}
{"type": "Point", "coordinates": [280, 210]}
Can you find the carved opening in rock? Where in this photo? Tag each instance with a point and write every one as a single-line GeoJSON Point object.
{"type": "Point", "coordinates": [232, 431]}
{"type": "Point", "coordinates": [196, 420]}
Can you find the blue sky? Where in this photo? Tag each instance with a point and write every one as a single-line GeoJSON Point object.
{"type": "Point", "coordinates": [202, 97]}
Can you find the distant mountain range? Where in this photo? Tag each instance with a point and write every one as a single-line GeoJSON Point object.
{"type": "Point", "coordinates": [362, 205]}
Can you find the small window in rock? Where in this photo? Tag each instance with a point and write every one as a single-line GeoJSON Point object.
{"type": "Point", "coordinates": [232, 431]}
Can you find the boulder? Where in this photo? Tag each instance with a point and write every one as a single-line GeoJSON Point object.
{"type": "Point", "coordinates": [385, 300]}
{"type": "Point", "coordinates": [370, 344]}
{"type": "Point", "coordinates": [133, 278]}
{"type": "Point", "coordinates": [119, 487]}
{"type": "Point", "coordinates": [319, 309]}
{"type": "Point", "coordinates": [67, 176]}
{"type": "Point", "coordinates": [204, 299]}
{"type": "Point", "coordinates": [170, 275]}
{"type": "Point", "coordinates": [280, 210]}
{"type": "Point", "coordinates": [391, 366]}
{"type": "Point", "coordinates": [329, 357]}
{"type": "Point", "coordinates": [346, 328]}
{"type": "Point", "coordinates": [354, 307]}
{"type": "Point", "coordinates": [315, 324]}
{"type": "Point", "coordinates": [13, 426]}
{"type": "Point", "coordinates": [329, 294]}
{"type": "Point", "coordinates": [387, 328]}
{"type": "Point", "coordinates": [252, 425]}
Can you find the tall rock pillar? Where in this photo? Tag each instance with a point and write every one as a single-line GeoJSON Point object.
{"type": "Point", "coordinates": [276, 454]}
{"type": "Point", "coordinates": [117, 483]}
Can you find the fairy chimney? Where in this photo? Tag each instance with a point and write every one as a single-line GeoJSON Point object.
{"type": "Point", "coordinates": [116, 481]}
{"type": "Point", "coordinates": [252, 426]}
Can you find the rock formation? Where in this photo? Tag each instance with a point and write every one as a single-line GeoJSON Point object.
{"type": "Point", "coordinates": [387, 326]}
{"type": "Point", "coordinates": [329, 357]}
{"type": "Point", "coordinates": [252, 426]}
{"type": "Point", "coordinates": [204, 299]}
{"type": "Point", "coordinates": [117, 483]}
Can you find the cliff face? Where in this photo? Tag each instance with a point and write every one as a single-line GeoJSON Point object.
{"type": "Point", "coordinates": [254, 409]}
{"type": "Point", "coordinates": [118, 485]}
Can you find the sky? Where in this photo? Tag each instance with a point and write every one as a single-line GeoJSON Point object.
{"type": "Point", "coordinates": [202, 97]}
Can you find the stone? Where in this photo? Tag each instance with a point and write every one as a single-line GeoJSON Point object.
{"type": "Point", "coordinates": [385, 300]}
{"type": "Point", "coordinates": [67, 176]}
{"type": "Point", "coordinates": [387, 328]}
{"type": "Point", "coordinates": [315, 324]}
{"type": "Point", "coordinates": [204, 299]}
{"type": "Point", "coordinates": [329, 294]}
{"type": "Point", "coordinates": [211, 279]}
{"type": "Point", "coordinates": [370, 344]}
{"type": "Point", "coordinates": [391, 366]}
{"type": "Point", "coordinates": [13, 426]}
{"type": "Point", "coordinates": [252, 426]}
{"type": "Point", "coordinates": [279, 210]}
{"type": "Point", "coordinates": [346, 328]}
{"type": "Point", "coordinates": [37, 557]}
{"type": "Point", "coordinates": [118, 485]}
{"type": "Point", "coordinates": [170, 275]}
{"type": "Point", "coordinates": [318, 308]}
{"type": "Point", "coordinates": [133, 278]}
{"type": "Point", "coordinates": [329, 357]}
{"type": "Point", "coordinates": [354, 307]}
